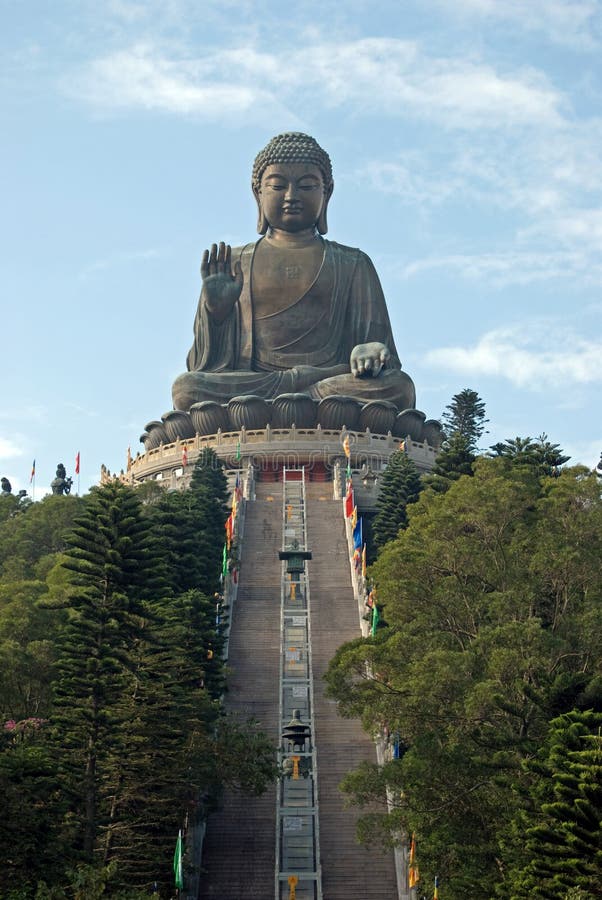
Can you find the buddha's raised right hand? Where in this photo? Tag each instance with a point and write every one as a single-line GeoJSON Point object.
{"type": "Point", "coordinates": [221, 287]}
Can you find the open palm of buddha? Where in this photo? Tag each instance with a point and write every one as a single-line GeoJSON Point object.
{"type": "Point", "coordinates": [291, 312]}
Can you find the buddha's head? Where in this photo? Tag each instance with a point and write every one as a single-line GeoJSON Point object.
{"type": "Point", "coordinates": [298, 158]}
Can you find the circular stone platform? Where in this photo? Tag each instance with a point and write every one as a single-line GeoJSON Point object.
{"type": "Point", "coordinates": [268, 450]}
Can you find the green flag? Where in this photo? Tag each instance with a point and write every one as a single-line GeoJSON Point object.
{"type": "Point", "coordinates": [225, 561]}
{"type": "Point", "coordinates": [178, 873]}
{"type": "Point", "coordinates": [375, 618]}
{"type": "Point", "coordinates": [238, 450]}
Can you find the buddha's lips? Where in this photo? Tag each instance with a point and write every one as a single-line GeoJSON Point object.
{"type": "Point", "coordinates": [292, 209]}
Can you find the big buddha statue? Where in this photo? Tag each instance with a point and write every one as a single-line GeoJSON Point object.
{"type": "Point", "coordinates": [292, 311]}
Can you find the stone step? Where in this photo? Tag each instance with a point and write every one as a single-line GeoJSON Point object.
{"type": "Point", "coordinates": [239, 853]}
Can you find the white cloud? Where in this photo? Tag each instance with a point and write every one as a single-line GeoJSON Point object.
{"type": "Point", "coordinates": [382, 75]}
{"type": "Point", "coordinates": [568, 22]}
{"type": "Point", "coordinates": [532, 355]}
{"type": "Point", "coordinates": [9, 449]}
{"type": "Point", "coordinates": [142, 78]}
{"type": "Point", "coordinates": [119, 259]}
{"type": "Point", "coordinates": [587, 453]}
{"type": "Point", "coordinates": [505, 269]}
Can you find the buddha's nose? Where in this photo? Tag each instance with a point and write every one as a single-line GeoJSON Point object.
{"type": "Point", "coordinates": [291, 192]}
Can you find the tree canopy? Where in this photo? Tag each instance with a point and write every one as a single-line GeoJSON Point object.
{"type": "Point", "coordinates": [110, 694]}
{"type": "Point", "coordinates": [492, 597]}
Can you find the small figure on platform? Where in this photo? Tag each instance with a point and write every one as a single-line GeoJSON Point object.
{"type": "Point", "coordinates": [61, 484]}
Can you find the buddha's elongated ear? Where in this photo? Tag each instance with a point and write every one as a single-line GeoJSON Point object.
{"type": "Point", "coordinates": [322, 220]}
{"type": "Point", "coordinates": [262, 222]}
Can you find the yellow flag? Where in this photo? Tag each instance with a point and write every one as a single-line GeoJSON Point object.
{"type": "Point", "coordinates": [413, 873]}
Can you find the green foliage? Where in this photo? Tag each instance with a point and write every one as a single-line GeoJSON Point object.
{"type": "Point", "coordinates": [557, 837]}
{"type": "Point", "coordinates": [492, 595]}
{"type": "Point", "coordinates": [465, 417]}
{"type": "Point", "coordinates": [39, 529]}
{"type": "Point", "coordinates": [545, 457]}
{"type": "Point", "coordinates": [111, 683]}
{"type": "Point", "coordinates": [189, 527]}
{"type": "Point", "coordinates": [399, 486]}
{"type": "Point", "coordinates": [454, 460]}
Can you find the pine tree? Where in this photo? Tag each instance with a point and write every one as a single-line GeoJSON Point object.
{"type": "Point", "coordinates": [562, 835]}
{"type": "Point", "coordinates": [454, 460]}
{"type": "Point", "coordinates": [540, 454]}
{"type": "Point", "coordinates": [189, 528]}
{"type": "Point", "coordinates": [111, 572]}
{"type": "Point", "coordinates": [399, 486]}
{"type": "Point", "coordinates": [465, 416]}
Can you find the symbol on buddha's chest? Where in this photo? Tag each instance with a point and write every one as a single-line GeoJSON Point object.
{"type": "Point", "coordinates": [292, 272]}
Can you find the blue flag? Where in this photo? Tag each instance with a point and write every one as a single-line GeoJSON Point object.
{"type": "Point", "coordinates": [357, 534]}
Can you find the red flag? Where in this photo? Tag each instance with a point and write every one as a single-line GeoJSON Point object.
{"type": "Point", "coordinates": [349, 500]}
{"type": "Point", "coordinates": [77, 463]}
{"type": "Point", "coordinates": [33, 471]}
{"type": "Point", "coordinates": [184, 456]}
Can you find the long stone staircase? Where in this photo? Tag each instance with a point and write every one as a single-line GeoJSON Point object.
{"type": "Point", "coordinates": [238, 854]}
{"type": "Point", "coordinates": [239, 851]}
{"type": "Point", "coordinates": [349, 871]}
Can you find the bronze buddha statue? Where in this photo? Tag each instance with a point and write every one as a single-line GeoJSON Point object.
{"type": "Point", "coordinates": [291, 312]}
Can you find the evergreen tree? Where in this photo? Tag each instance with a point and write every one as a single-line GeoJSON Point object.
{"type": "Point", "coordinates": [189, 528]}
{"type": "Point", "coordinates": [543, 456]}
{"type": "Point", "coordinates": [111, 572]}
{"type": "Point", "coordinates": [454, 460]}
{"type": "Point", "coordinates": [559, 841]}
{"type": "Point", "coordinates": [399, 486]}
{"type": "Point", "coordinates": [492, 597]}
{"type": "Point", "coordinates": [465, 416]}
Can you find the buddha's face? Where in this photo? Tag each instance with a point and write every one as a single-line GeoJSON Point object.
{"type": "Point", "coordinates": [292, 196]}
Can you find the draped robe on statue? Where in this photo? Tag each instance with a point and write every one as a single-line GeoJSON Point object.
{"type": "Point", "coordinates": [304, 347]}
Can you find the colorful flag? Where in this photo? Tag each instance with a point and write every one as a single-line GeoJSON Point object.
{"type": "Point", "coordinates": [33, 471]}
{"type": "Point", "coordinates": [375, 619]}
{"type": "Point", "coordinates": [229, 528]}
{"type": "Point", "coordinates": [364, 561]}
{"type": "Point", "coordinates": [349, 504]}
{"type": "Point", "coordinates": [178, 872]}
{"type": "Point", "coordinates": [129, 461]}
{"type": "Point", "coordinates": [353, 517]}
{"type": "Point", "coordinates": [402, 446]}
{"type": "Point", "coordinates": [357, 534]}
{"type": "Point", "coordinates": [225, 561]}
{"type": "Point", "coordinates": [436, 892]}
{"type": "Point", "coordinates": [346, 446]}
{"type": "Point", "coordinates": [77, 463]}
{"type": "Point", "coordinates": [184, 456]}
{"type": "Point", "coordinates": [413, 873]}
{"type": "Point", "coordinates": [238, 450]}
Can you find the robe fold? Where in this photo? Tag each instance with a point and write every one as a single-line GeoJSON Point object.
{"type": "Point", "coordinates": [303, 347]}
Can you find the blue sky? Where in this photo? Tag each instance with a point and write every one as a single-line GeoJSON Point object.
{"type": "Point", "coordinates": [466, 140]}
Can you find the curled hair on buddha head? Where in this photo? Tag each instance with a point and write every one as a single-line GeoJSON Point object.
{"type": "Point", "coordinates": [292, 147]}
